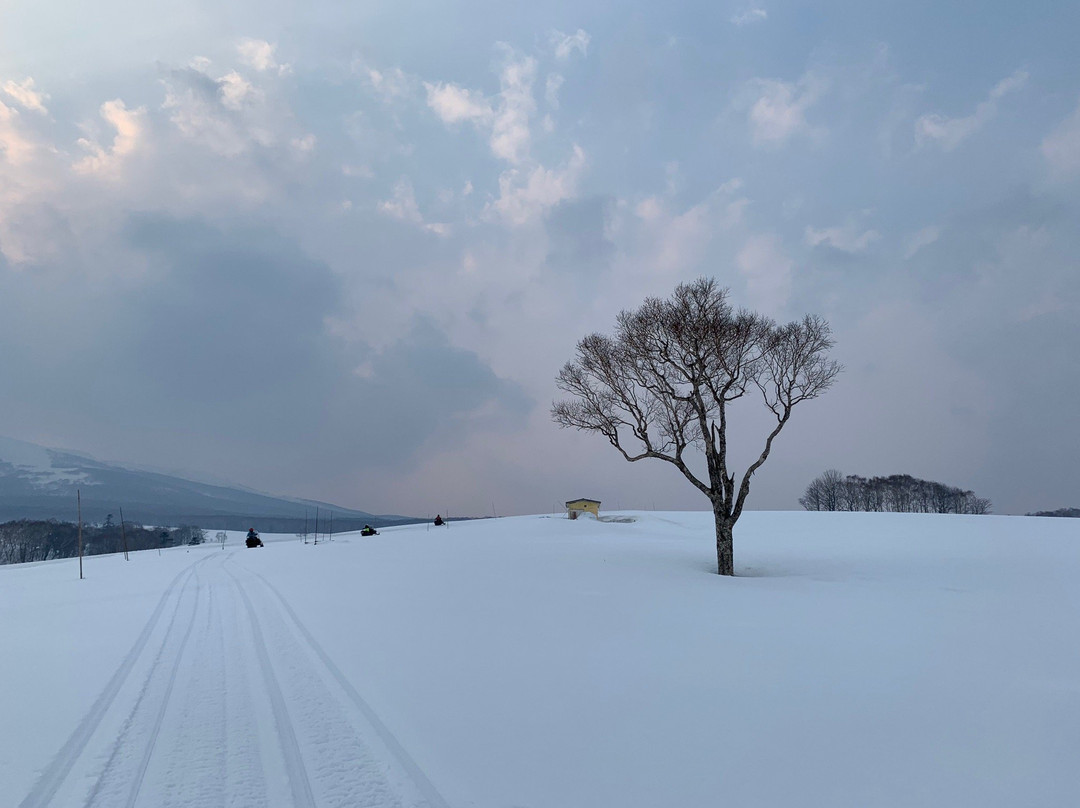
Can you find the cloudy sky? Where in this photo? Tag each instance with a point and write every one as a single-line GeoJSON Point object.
{"type": "Point", "coordinates": [340, 250]}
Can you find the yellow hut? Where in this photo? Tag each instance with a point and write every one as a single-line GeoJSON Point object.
{"type": "Point", "coordinates": [576, 507]}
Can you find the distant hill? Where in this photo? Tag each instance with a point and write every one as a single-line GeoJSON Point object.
{"type": "Point", "coordinates": [40, 483]}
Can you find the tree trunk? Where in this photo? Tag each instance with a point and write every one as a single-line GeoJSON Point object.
{"type": "Point", "coordinates": [725, 545]}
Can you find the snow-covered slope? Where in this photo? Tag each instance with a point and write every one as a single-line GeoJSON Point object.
{"type": "Point", "coordinates": [858, 660]}
{"type": "Point", "coordinates": [40, 483]}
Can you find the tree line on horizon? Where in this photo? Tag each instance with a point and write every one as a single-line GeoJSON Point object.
{"type": "Point", "coordinates": [1071, 513]}
{"type": "Point", "coordinates": [896, 493]}
{"type": "Point", "coordinates": [24, 540]}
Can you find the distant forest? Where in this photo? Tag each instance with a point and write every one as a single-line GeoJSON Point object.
{"type": "Point", "coordinates": [29, 540]}
{"type": "Point", "coordinates": [1071, 512]}
{"type": "Point", "coordinates": [897, 493]}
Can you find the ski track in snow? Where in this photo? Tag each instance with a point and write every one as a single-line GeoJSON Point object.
{"type": "Point", "coordinates": [233, 704]}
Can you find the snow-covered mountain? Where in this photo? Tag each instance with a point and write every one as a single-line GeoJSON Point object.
{"type": "Point", "coordinates": [40, 483]}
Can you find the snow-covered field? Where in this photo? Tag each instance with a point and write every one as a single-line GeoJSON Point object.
{"type": "Point", "coordinates": [858, 660]}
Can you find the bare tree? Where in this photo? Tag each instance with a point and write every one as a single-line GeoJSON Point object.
{"type": "Point", "coordinates": [813, 499]}
{"type": "Point", "coordinates": [663, 385]}
{"type": "Point", "coordinates": [826, 493]}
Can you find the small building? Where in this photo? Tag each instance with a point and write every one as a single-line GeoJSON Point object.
{"type": "Point", "coordinates": [576, 507]}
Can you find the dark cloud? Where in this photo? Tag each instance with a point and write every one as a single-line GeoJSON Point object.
{"type": "Point", "coordinates": [220, 358]}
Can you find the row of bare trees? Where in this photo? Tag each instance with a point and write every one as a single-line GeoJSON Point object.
{"type": "Point", "coordinates": [34, 540]}
{"type": "Point", "coordinates": [897, 493]}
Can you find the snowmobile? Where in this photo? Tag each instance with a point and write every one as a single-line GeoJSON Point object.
{"type": "Point", "coordinates": [368, 530]}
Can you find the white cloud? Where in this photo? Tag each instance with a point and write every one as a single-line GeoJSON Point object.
{"type": "Point", "coordinates": [778, 111]}
{"type": "Point", "coordinates": [766, 269]}
{"type": "Point", "coordinates": [235, 90]}
{"type": "Point", "coordinates": [454, 104]}
{"type": "Point", "coordinates": [506, 118]}
{"type": "Point", "coordinates": [1061, 148]}
{"type": "Point", "coordinates": [525, 195]}
{"type": "Point", "coordinates": [15, 147]}
{"type": "Point", "coordinates": [200, 120]}
{"type": "Point", "coordinates": [304, 145]}
{"type": "Point", "coordinates": [363, 172]}
{"type": "Point", "coordinates": [923, 238]}
{"type": "Point", "coordinates": [24, 94]}
{"type": "Point", "coordinates": [683, 239]}
{"type": "Point", "coordinates": [846, 238]}
{"type": "Point", "coordinates": [566, 44]}
{"type": "Point", "coordinates": [671, 177]}
{"type": "Point", "coordinates": [951, 132]}
{"type": "Point", "coordinates": [731, 186]}
{"type": "Point", "coordinates": [391, 84]}
{"type": "Point", "coordinates": [226, 115]}
{"type": "Point", "coordinates": [402, 206]}
{"type": "Point", "coordinates": [750, 15]}
{"type": "Point", "coordinates": [510, 135]}
{"type": "Point", "coordinates": [1014, 82]}
{"type": "Point", "coordinates": [664, 242]}
{"type": "Point", "coordinates": [129, 126]}
{"type": "Point", "coordinates": [259, 55]}
{"type": "Point", "coordinates": [649, 209]}
{"type": "Point", "coordinates": [551, 89]}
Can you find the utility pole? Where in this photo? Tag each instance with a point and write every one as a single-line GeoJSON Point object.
{"type": "Point", "coordinates": [331, 525]}
{"type": "Point", "coordinates": [316, 525]}
{"type": "Point", "coordinates": [78, 499]}
{"type": "Point", "coordinates": [123, 534]}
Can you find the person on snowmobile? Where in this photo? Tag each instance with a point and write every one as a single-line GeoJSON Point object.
{"type": "Point", "coordinates": [369, 531]}
{"type": "Point", "coordinates": [438, 520]}
{"type": "Point", "coordinates": [253, 539]}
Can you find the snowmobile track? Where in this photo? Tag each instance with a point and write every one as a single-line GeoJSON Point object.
{"type": "Point", "coordinates": [227, 700]}
{"type": "Point", "coordinates": [53, 777]}
{"type": "Point", "coordinates": [419, 780]}
{"type": "Point", "coordinates": [161, 677]}
{"type": "Point", "coordinates": [299, 783]}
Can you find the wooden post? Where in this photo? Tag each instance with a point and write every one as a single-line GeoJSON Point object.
{"type": "Point", "coordinates": [78, 499]}
{"type": "Point", "coordinates": [316, 525]}
{"type": "Point", "coordinates": [331, 525]}
{"type": "Point", "coordinates": [305, 525]}
{"type": "Point", "coordinates": [123, 535]}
